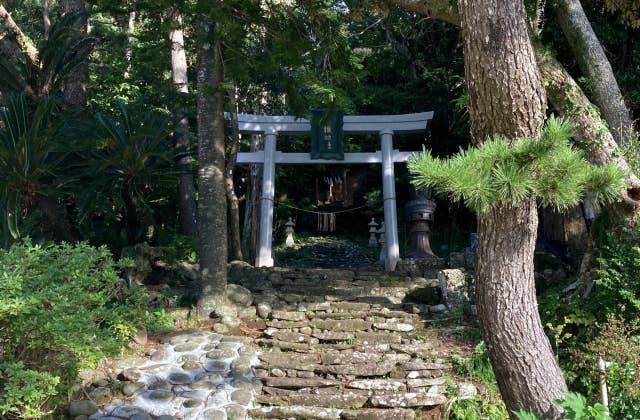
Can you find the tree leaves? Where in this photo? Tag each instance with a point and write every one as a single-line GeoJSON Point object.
{"type": "Point", "coordinates": [503, 171]}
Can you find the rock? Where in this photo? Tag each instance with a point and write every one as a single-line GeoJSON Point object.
{"type": "Point", "coordinates": [236, 412]}
{"type": "Point", "coordinates": [231, 321]}
{"type": "Point", "coordinates": [437, 309]}
{"type": "Point", "coordinates": [241, 396]}
{"type": "Point", "coordinates": [378, 385]}
{"type": "Point", "coordinates": [156, 368]}
{"type": "Point", "coordinates": [241, 366]}
{"type": "Point", "coordinates": [179, 378]}
{"type": "Point", "coordinates": [307, 362]}
{"type": "Point", "coordinates": [300, 382]}
{"type": "Point", "coordinates": [165, 417]}
{"type": "Point", "coordinates": [264, 309]}
{"type": "Point", "coordinates": [291, 337]}
{"type": "Point", "coordinates": [140, 338]}
{"type": "Point", "coordinates": [181, 348]}
{"type": "Point", "coordinates": [368, 369]}
{"type": "Point", "coordinates": [454, 287]}
{"type": "Point", "coordinates": [129, 362]}
{"type": "Point", "coordinates": [393, 326]}
{"type": "Point", "coordinates": [288, 316]}
{"type": "Point", "coordinates": [101, 395]}
{"type": "Point", "coordinates": [418, 364]}
{"type": "Point", "coordinates": [141, 416]}
{"type": "Point", "coordinates": [130, 374]}
{"type": "Point", "coordinates": [82, 417]}
{"type": "Point", "coordinates": [160, 395]}
{"type": "Point", "coordinates": [212, 414]}
{"type": "Point", "coordinates": [346, 325]}
{"type": "Point", "coordinates": [220, 328]}
{"type": "Point", "coordinates": [410, 399]}
{"type": "Point", "coordinates": [349, 357]}
{"type": "Point", "coordinates": [377, 337]}
{"type": "Point", "coordinates": [247, 313]}
{"type": "Point", "coordinates": [161, 354]}
{"type": "Point", "coordinates": [376, 414]}
{"type": "Point", "coordinates": [425, 382]}
{"type": "Point", "coordinates": [160, 384]}
{"type": "Point", "coordinates": [347, 400]}
{"type": "Point", "coordinates": [202, 385]}
{"type": "Point", "coordinates": [221, 353]}
{"type": "Point", "coordinates": [131, 388]}
{"type": "Point", "coordinates": [278, 372]}
{"type": "Point", "coordinates": [239, 295]}
{"type": "Point", "coordinates": [297, 412]}
{"type": "Point", "coordinates": [82, 407]}
{"type": "Point", "coordinates": [466, 390]}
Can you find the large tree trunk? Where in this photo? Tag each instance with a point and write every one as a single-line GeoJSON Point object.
{"type": "Point", "coordinates": [235, 245]}
{"type": "Point", "coordinates": [595, 65]}
{"type": "Point", "coordinates": [506, 97]}
{"type": "Point", "coordinates": [212, 200]}
{"type": "Point", "coordinates": [252, 202]}
{"type": "Point", "coordinates": [45, 18]}
{"type": "Point", "coordinates": [592, 135]}
{"type": "Point", "coordinates": [186, 188]}
{"type": "Point", "coordinates": [131, 28]}
{"type": "Point", "coordinates": [13, 41]}
{"type": "Point", "coordinates": [75, 87]}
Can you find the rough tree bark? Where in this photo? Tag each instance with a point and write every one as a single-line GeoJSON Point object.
{"type": "Point", "coordinates": [13, 41]}
{"type": "Point", "coordinates": [131, 27]}
{"type": "Point", "coordinates": [506, 97]}
{"type": "Point", "coordinates": [595, 65]}
{"type": "Point", "coordinates": [212, 200]}
{"type": "Point", "coordinates": [75, 87]}
{"type": "Point", "coordinates": [186, 188]}
{"type": "Point", "coordinates": [593, 136]}
{"type": "Point", "coordinates": [45, 18]}
{"type": "Point", "coordinates": [235, 245]}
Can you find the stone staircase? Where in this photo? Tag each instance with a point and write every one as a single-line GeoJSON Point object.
{"type": "Point", "coordinates": [343, 344]}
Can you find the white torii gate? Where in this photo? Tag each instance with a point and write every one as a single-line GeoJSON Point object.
{"type": "Point", "coordinates": [383, 125]}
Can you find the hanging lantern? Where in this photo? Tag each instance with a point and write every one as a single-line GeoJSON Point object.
{"type": "Point", "coordinates": [327, 137]}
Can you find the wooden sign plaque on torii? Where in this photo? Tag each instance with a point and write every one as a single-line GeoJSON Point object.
{"type": "Point", "coordinates": [383, 125]}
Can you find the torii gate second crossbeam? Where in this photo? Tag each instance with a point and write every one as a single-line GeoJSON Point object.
{"type": "Point", "coordinates": [383, 125]}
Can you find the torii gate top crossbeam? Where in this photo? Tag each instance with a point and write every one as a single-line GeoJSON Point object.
{"type": "Point", "coordinates": [360, 124]}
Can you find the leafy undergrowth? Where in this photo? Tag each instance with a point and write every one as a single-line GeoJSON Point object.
{"type": "Point", "coordinates": [62, 308]}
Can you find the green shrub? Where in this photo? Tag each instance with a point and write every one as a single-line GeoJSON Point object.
{"type": "Point", "coordinates": [575, 408]}
{"type": "Point", "coordinates": [59, 311]}
{"type": "Point", "coordinates": [25, 392]}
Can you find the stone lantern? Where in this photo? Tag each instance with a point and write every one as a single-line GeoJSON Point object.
{"type": "Point", "coordinates": [383, 242]}
{"type": "Point", "coordinates": [419, 212]}
{"type": "Point", "coordinates": [289, 242]}
{"type": "Point", "coordinates": [373, 229]}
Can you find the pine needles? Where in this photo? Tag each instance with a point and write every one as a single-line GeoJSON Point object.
{"type": "Point", "coordinates": [503, 171]}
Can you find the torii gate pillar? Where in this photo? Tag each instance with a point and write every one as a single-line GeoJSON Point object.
{"type": "Point", "coordinates": [265, 238]}
{"type": "Point", "coordinates": [389, 197]}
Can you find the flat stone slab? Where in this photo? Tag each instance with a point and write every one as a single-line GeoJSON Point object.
{"type": "Point", "coordinates": [421, 365]}
{"type": "Point", "coordinates": [332, 336]}
{"type": "Point", "coordinates": [341, 325]}
{"type": "Point", "coordinates": [299, 382]}
{"type": "Point", "coordinates": [296, 412]}
{"type": "Point", "coordinates": [378, 414]}
{"type": "Point", "coordinates": [426, 382]}
{"type": "Point", "coordinates": [276, 323]}
{"type": "Point", "coordinates": [349, 357]}
{"type": "Point", "coordinates": [347, 400]}
{"type": "Point", "coordinates": [377, 337]}
{"type": "Point", "coordinates": [409, 399]}
{"type": "Point", "coordinates": [307, 362]}
{"type": "Point", "coordinates": [393, 326]}
{"type": "Point", "coordinates": [368, 369]}
{"type": "Point", "coordinates": [288, 316]}
{"type": "Point", "coordinates": [421, 349]}
{"type": "Point", "coordinates": [291, 337]}
{"type": "Point", "coordinates": [378, 385]}
{"type": "Point", "coordinates": [350, 306]}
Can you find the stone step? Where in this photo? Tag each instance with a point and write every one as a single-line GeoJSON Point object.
{"type": "Point", "coordinates": [322, 413]}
